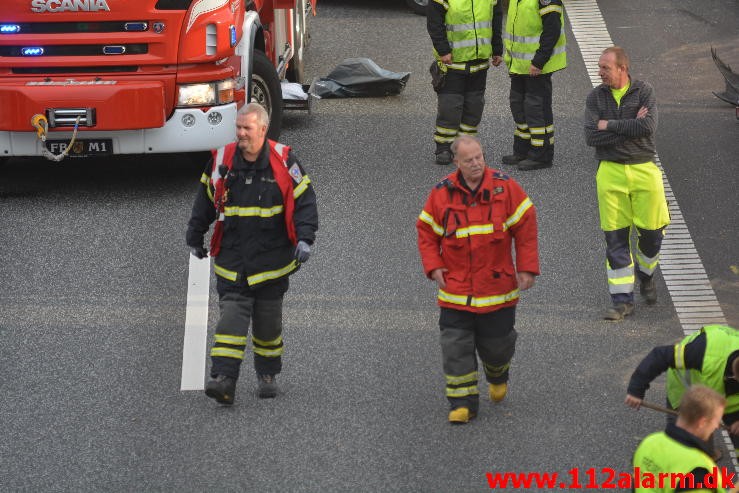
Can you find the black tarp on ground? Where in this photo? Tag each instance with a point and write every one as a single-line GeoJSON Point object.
{"type": "Point", "coordinates": [359, 77]}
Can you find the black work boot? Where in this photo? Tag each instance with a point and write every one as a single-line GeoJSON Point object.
{"type": "Point", "coordinates": [221, 388]}
{"type": "Point", "coordinates": [648, 290]}
{"type": "Point", "coordinates": [619, 311]}
{"type": "Point", "coordinates": [267, 386]}
{"type": "Point", "coordinates": [444, 157]}
{"type": "Point", "coordinates": [530, 164]}
{"type": "Point", "coordinates": [512, 159]}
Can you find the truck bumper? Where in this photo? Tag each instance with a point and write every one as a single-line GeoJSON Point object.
{"type": "Point", "coordinates": [174, 136]}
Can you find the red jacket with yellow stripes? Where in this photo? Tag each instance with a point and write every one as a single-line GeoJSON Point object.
{"type": "Point", "coordinates": [472, 237]}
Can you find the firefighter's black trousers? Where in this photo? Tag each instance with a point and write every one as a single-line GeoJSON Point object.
{"type": "Point", "coordinates": [531, 108]}
{"type": "Point", "coordinates": [460, 105]}
{"type": "Point", "coordinates": [239, 306]}
{"type": "Point", "coordinates": [464, 336]}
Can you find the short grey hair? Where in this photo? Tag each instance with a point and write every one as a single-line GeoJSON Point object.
{"type": "Point", "coordinates": [257, 109]}
{"type": "Point", "coordinates": [621, 58]}
{"type": "Point", "coordinates": [463, 138]}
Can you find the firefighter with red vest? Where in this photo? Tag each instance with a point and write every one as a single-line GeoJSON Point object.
{"type": "Point", "coordinates": [466, 232]}
{"type": "Point", "coordinates": [264, 207]}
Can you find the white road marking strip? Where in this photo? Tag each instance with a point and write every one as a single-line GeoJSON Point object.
{"type": "Point", "coordinates": [592, 37]}
{"type": "Point", "coordinates": [676, 275]}
{"type": "Point", "coordinates": [196, 325]}
{"type": "Point", "coordinates": [708, 310]}
{"type": "Point", "coordinates": [696, 303]}
{"type": "Point", "coordinates": [679, 267]}
{"type": "Point", "coordinates": [694, 298]}
{"type": "Point", "coordinates": [691, 282]}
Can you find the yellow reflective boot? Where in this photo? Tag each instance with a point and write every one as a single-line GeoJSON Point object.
{"type": "Point", "coordinates": [461, 415]}
{"type": "Point", "coordinates": [498, 391]}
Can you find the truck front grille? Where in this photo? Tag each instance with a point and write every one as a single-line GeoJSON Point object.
{"type": "Point", "coordinates": [81, 27]}
{"type": "Point", "coordinates": [66, 117]}
{"type": "Point", "coordinates": [103, 69]}
{"type": "Point", "coordinates": [74, 50]}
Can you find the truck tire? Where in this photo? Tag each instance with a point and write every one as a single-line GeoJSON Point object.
{"type": "Point", "coordinates": [418, 6]}
{"type": "Point", "coordinates": [266, 90]}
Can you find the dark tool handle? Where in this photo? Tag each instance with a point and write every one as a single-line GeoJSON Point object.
{"type": "Point", "coordinates": [665, 410]}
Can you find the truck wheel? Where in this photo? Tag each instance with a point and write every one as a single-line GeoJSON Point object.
{"type": "Point", "coordinates": [266, 90]}
{"type": "Point", "coordinates": [296, 70]}
{"type": "Point", "coordinates": [418, 6]}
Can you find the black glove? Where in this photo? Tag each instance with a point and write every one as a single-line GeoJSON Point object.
{"type": "Point", "coordinates": [302, 252]}
{"type": "Point", "coordinates": [200, 252]}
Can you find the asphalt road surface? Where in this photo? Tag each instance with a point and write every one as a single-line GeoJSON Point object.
{"type": "Point", "coordinates": [93, 270]}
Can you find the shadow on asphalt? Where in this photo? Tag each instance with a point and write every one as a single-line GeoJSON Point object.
{"type": "Point", "coordinates": [33, 177]}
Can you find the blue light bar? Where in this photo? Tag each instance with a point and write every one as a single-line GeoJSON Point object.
{"type": "Point", "coordinates": [10, 28]}
{"type": "Point", "coordinates": [32, 51]}
{"type": "Point", "coordinates": [232, 29]}
{"type": "Point", "coordinates": [114, 50]}
{"type": "Point", "coordinates": [136, 26]}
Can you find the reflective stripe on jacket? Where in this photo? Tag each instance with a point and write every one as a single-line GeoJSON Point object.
{"type": "Point", "coordinates": [721, 342]}
{"type": "Point", "coordinates": [522, 36]}
{"type": "Point", "coordinates": [278, 161]}
{"type": "Point", "coordinates": [469, 29]}
{"type": "Point", "coordinates": [260, 211]}
{"type": "Point", "coordinates": [660, 454]}
{"type": "Point", "coordinates": [472, 237]}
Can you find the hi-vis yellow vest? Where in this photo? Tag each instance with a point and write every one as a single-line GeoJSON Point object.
{"type": "Point", "coordinates": [721, 341]}
{"type": "Point", "coordinates": [522, 33]}
{"type": "Point", "coordinates": [658, 453]}
{"type": "Point", "coordinates": [469, 29]}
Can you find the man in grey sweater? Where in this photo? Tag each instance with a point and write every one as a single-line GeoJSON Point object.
{"type": "Point", "coordinates": [620, 122]}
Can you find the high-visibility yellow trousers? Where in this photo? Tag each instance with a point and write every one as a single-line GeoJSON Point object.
{"type": "Point", "coordinates": [631, 195]}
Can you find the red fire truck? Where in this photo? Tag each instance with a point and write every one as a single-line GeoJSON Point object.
{"type": "Point", "coordinates": [97, 77]}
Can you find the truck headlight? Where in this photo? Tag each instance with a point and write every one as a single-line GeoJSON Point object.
{"type": "Point", "coordinates": [225, 91]}
{"type": "Point", "coordinates": [207, 94]}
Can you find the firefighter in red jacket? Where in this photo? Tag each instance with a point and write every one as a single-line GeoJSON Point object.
{"type": "Point", "coordinates": [266, 220]}
{"type": "Point", "coordinates": [465, 234]}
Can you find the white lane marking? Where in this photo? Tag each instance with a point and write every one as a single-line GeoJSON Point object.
{"type": "Point", "coordinates": [592, 37]}
{"type": "Point", "coordinates": [196, 325]}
